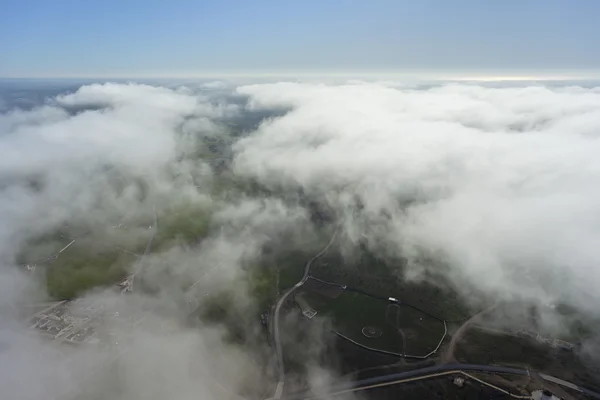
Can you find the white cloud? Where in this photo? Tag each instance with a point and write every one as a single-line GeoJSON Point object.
{"type": "Point", "coordinates": [137, 129]}
{"type": "Point", "coordinates": [59, 164]}
{"type": "Point", "coordinates": [113, 120]}
{"type": "Point", "coordinates": [502, 182]}
{"type": "Point", "coordinates": [73, 147]}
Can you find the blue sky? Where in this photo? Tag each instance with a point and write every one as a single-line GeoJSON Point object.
{"type": "Point", "coordinates": [182, 37]}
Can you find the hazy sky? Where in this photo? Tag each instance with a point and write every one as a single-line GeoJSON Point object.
{"type": "Point", "coordinates": [185, 37]}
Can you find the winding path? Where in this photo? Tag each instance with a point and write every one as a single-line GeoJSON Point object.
{"type": "Point", "coordinates": [449, 354]}
{"type": "Point", "coordinates": [276, 333]}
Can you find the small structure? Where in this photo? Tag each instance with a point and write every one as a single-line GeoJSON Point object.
{"type": "Point", "coordinates": [459, 381]}
{"type": "Point", "coordinates": [307, 310]}
{"type": "Point", "coordinates": [309, 313]}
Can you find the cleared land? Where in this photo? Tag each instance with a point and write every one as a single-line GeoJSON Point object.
{"type": "Point", "coordinates": [374, 276]}
{"type": "Point", "coordinates": [80, 268]}
{"type": "Point", "coordinates": [400, 329]}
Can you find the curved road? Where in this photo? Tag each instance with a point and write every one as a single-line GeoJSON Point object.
{"type": "Point", "coordinates": [276, 336]}
{"type": "Point", "coordinates": [436, 371]}
{"type": "Point", "coordinates": [449, 353]}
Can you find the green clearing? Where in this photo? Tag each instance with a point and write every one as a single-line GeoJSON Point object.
{"type": "Point", "coordinates": [423, 332]}
{"type": "Point", "coordinates": [374, 276]}
{"type": "Point", "coordinates": [80, 269]}
{"type": "Point", "coordinates": [291, 269]}
{"type": "Point", "coordinates": [96, 260]}
{"type": "Point", "coordinates": [352, 311]}
{"type": "Point", "coordinates": [291, 262]}
{"type": "Point", "coordinates": [185, 225]}
{"type": "Point", "coordinates": [38, 250]}
{"type": "Point", "coordinates": [231, 186]}
{"type": "Point", "coordinates": [261, 281]}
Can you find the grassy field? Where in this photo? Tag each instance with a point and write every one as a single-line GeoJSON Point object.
{"type": "Point", "coordinates": [83, 265]}
{"type": "Point", "coordinates": [38, 250]}
{"type": "Point", "coordinates": [79, 269]}
{"type": "Point", "coordinates": [183, 226]}
{"type": "Point", "coordinates": [352, 311]}
{"type": "Point", "coordinates": [291, 268]}
{"type": "Point", "coordinates": [374, 276]}
{"type": "Point", "coordinates": [261, 282]}
{"type": "Point", "coordinates": [422, 332]}
{"type": "Point", "coordinates": [291, 261]}
{"type": "Point", "coordinates": [103, 255]}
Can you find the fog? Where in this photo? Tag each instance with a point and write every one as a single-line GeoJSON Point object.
{"type": "Point", "coordinates": [499, 184]}
{"type": "Point", "coordinates": [475, 187]}
{"type": "Point", "coordinates": [114, 153]}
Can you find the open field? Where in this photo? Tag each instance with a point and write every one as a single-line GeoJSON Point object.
{"type": "Point", "coordinates": [42, 250]}
{"type": "Point", "coordinates": [103, 254]}
{"type": "Point", "coordinates": [422, 332]}
{"type": "Point", "coordinates": [183, 226]}
{"type": "Point", "coordinates": [376, 277]}
{"type": "Point", "coordinates": [351, 312]}
{"type": "Point", "coordinates": [374, 323]}
{"type": "Point", "coordinates": [325, 289]}
{"type": "Point", "coordinates": [81, 268]}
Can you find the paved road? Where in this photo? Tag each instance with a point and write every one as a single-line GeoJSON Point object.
{"type": "Point", "coordinates": [276, 333]}
{"type": "Point", "coordinates": [436, 371]}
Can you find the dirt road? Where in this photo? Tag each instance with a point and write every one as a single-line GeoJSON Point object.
{"type": "Point", "coordinates": [448, 356]}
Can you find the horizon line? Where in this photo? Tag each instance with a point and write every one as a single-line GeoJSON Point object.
{"type": "Point", "coordinates": [423, 74]}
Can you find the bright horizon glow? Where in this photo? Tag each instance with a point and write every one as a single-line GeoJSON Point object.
{"type": "Point", "coordinates": [411, 75]}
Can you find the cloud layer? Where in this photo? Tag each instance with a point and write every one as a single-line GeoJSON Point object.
{"type": "Point", "coordinates": [494, 188]}
{"type": "Point", "coordinates": [499, 184]}
{"type": "Point", "coordinates": [113, 153]}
